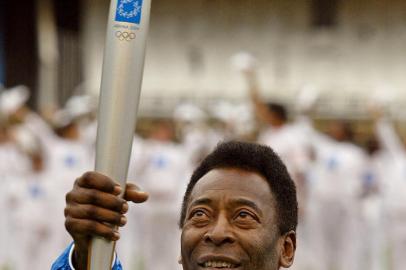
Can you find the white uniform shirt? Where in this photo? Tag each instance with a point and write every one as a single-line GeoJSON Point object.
{"type": "Point", "coordinates": [161, 169]}
{"type": "Point", "coordinates": [290, 143]}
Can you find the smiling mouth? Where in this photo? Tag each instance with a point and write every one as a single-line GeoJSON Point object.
{"type": "Point", "coordinates": [218, 264]}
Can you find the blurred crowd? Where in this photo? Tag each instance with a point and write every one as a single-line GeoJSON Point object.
{"type": "Point", "coordinates": [351, 197]}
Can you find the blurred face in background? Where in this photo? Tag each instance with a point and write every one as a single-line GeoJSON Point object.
{"type": "Point", "coordinates": [162, 131]}
{"type": "Point", "coordinates": [69, 132]}
{"type": "Point", "coordinates": [340, 131]}
{"type": "Point", "coordinates": [372, 146]}
{"type": "Point", "coordinates": [277, 115]}
{"type": "Point", "coordinates": [275, 120]}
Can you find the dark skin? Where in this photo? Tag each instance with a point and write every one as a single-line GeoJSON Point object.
{"type": "Point", "coordinates": [231, 221]}
{"type": "Point", "coordinates": [69, 132]}
{"type": "Point", "coordinates": [94, 201]}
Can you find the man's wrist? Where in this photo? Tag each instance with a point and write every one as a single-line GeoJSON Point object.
{"type": "Point", "coordinates": [78, 259]}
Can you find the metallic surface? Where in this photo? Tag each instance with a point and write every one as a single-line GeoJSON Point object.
{"type": "Point", "coordinates": [120, 90]}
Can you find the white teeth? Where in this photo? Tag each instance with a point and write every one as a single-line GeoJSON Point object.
{"type": "Point", "coordinates": [218, 264]}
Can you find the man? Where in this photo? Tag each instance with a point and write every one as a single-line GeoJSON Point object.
{"type": "Point", "coordinates": [239, 212]}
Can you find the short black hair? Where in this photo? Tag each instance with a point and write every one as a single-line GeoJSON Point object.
{"type": "Point", "coordinates": [279, 110]}
{"type": "Point", "coordinates": [256, 158]}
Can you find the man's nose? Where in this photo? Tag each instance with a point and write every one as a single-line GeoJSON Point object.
{"type": "Point", "coordinates": [220, 233]}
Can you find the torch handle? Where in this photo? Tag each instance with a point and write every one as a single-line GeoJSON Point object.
{"type": "Point", "coordinates": [122, 74]}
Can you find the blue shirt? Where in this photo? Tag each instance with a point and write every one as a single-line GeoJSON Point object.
{"type": "Point", "coordinates": [64, 262]}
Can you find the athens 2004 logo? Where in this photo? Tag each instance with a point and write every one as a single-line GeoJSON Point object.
{"type": "Point", "coordinates": [129, 11]}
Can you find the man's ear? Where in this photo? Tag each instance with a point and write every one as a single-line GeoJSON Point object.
{"type": "Point", "coordinates": [180, 259]}
{"type": "Point", "coordinates": [287, 249]}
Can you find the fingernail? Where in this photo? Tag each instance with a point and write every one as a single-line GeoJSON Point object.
{"type": "Point", "coordinates": [123, 221]}
{"type": "Point", "coordinates": [116, 236]}
{"type": "Point", "coordinates": [124, 209]}
{"type": "Point", "coordinates": [142, 194]}
{"type": "Point", "coordinates": [117, 190]}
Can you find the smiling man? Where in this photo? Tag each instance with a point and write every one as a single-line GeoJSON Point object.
{"type": "Point", "coordinates": [239, 212]}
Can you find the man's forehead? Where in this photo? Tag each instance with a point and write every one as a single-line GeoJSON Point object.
{"type": "Point", "coordinates": [232, 180]}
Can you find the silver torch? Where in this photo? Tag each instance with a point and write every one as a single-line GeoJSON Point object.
{"type": "Point", "coordinates": [122, 75]}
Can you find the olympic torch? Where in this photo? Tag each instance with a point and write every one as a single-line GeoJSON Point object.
{"type": "Point", "coordinates": [122, 74]}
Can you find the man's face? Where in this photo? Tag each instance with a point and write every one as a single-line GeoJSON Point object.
{"type": "Point", "coordinates": [231, 223]}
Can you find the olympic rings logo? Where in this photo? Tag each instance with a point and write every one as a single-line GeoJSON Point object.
{"type": "Point", "coordinates": [125, 36]}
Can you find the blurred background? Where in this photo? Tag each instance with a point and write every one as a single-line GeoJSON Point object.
{"type": "Point", "coordinates": [322, 82]}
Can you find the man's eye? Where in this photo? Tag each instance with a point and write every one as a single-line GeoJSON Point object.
{"type": "Point", "coordinates": [198, 214]}
{"type": "Point", "coordinates": [245, 215]}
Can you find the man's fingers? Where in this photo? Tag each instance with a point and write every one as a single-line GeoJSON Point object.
{"type": "Point", "coordinates": [91, 212]}
{"type": "Point", "coordinates": [97, 198]}
{"type": "Point", "coordinates": [134, 194]}
{"type": "Point", "coordinates": [90, 227]}
{"type": "Point", "coordinates": [95, 180]}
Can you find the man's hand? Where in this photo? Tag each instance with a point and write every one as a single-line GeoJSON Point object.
{"type": "Point", "coordinates": [94, 208]}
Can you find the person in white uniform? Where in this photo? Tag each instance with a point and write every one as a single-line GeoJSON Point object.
{"type": "Point", "coordinates": [236, 121]}
{"type": "Point", "coordinates": [394, 190]}
{"type": "Point", "coordinates": [61, 157]}
{"type": "Point", "coordinates": [163, 167]}
{"type": "Point", "coordinates": [193, 131]}
{"type": "Point", "coordinates": [28, 198]}
{"type": "Point", "coordinates": [278, 133]}
{"type": "Point", "coordinates": [82, 109]}
{"type": "Point", "coordinates": [69, 153]}
{"type": "Point", "coordinates": [13, 164]}
{"type": "Point", "coordinates": [334, 199]}
{"type": "Point", "coordinates": [13, 106]}
{"type": "Point", "coordinates": [372, 218]}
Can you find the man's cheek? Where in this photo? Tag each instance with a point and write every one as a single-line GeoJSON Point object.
{"type": "Point", "coordinates": [252, 243]}
{"type": "Point", "coordinates": [189, 240]}
{"type": "Point", "coordinates": [261, 249]}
